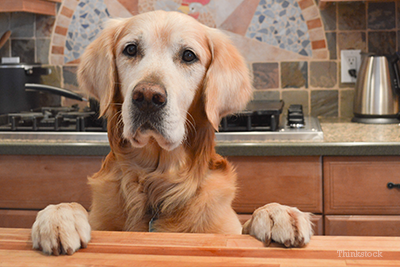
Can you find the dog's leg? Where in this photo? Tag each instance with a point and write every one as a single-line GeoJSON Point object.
{"type": "Point", "coordinates": [61, 229]}
{"type": "Point", "coordinates": [282, 224]}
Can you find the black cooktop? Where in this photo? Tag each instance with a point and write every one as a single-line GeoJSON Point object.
{"type": "Point", "coordinates": [48, 119]}
{"type": "Point", "coordinates": [261, 115]}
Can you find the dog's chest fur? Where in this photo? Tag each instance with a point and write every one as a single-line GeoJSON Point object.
{"type": "Point", "coordinates": [168, 190]}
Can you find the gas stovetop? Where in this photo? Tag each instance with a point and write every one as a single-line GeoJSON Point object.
{"type": "Point", "coordinates": [260, 121]}
{"type": "Point", "coordinates": [53, 119]}
{"type": "Point", "coordinates": [311, 131]}
{"type": "Point", "coordinates": [264, 121]}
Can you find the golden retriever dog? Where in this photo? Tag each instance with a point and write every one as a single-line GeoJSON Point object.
{"type": "Point", "coordinates": [164, 81]}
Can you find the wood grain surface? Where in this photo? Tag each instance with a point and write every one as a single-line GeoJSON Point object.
{"type": "Point", "coordinates": [358, 185]}
{"type": "Point", "coordinates": [292, 181]}
{"type": "Point", "coordinates": [173, 249]}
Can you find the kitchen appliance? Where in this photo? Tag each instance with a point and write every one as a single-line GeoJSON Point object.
{"type": "Point", "coordinates": [377, 90]}
{"type": "Point", "coordinates": [261, 121]}
{"type": "Point", "coordinates": [55, 119]}
{"type": "Point", "coordinates": [264, 121]}
{"type": "Point", "coordinates": [20, 86]}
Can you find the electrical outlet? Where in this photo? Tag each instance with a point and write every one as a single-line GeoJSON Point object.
{"type": "Point", "coordinates": [350, 61]}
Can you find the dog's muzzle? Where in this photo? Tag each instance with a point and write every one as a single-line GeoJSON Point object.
{"type": "Point", "coordinates": [150, 117]}
{"type": "Point", "coordinates": [149, 98]}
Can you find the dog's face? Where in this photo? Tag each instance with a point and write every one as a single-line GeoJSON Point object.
{"type": "Point", "coordinates": [158, 62]}
{"type": "Point", "coordinates": [160, 68]}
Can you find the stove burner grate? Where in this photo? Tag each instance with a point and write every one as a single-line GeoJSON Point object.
{"type": "Point", "coordinates": [258, 116]}
{"type": "Point", "coordinates": [53, 119]}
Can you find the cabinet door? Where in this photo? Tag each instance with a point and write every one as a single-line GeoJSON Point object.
{"type": "Point", "coordinates": [358, 185]}
{"type": "Point", "coordinates": [292, 181]}
{"type": "Point", "coordinates": [33, 182]}
{"type": "Point", "coordinates": [362, 225]}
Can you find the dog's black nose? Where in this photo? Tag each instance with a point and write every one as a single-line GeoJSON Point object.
{"type": "Point", "coordinates": [149, 96]}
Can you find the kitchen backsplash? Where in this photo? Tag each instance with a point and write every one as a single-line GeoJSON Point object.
{"type": "Point", "coordinates": [292, 47]}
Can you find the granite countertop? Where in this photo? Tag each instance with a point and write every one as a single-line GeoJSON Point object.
{"type": "Point", "coordinates": [343, 130]}
{"type": "Point", "coordinates": [341, 138]}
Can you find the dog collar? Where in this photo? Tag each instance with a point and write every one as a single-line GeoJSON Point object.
{"type": "Point", "coordinates": [153, 219]}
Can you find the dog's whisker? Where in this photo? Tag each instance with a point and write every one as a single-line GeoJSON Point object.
{"type": "Point", "coordinates": [190, 121]}
{"type": "Point", "coordinates": [118, 113]}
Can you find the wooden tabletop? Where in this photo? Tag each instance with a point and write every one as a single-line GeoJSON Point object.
{"type": "Point", "coordinates": [172, 249]}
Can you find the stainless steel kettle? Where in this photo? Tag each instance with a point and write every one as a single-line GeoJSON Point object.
{"type": "Point", "coordinates": [377, 90]}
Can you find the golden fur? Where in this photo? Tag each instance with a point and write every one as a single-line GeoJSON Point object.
{"type": "Point", "coordinates": [191, 186]}
{"type": "Point", "coordinates": [169, 172]}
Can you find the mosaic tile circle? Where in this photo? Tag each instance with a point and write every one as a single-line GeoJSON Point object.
{"type": "Point", "coordinates": [276, 22]}
{"type": "Point", "coordinates": [280, 23]}
{"type": "Point", "coordinates": [87, 22]}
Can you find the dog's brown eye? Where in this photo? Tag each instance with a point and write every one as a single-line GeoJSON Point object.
{"type": "Point", "coordinates": [188, 56]}
{"type": "Point", "coordinates": [130, 50]}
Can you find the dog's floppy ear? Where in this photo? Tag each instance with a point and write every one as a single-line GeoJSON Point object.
{"type": "Point", "coordinates": [97, 72]}
{"type": "Point", "coordinates": [228, 84]}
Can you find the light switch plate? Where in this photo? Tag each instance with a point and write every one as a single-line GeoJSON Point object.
{"type": "Point", "coordinates": [350, 59]}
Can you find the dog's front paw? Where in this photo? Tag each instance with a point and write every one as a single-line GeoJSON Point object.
{"type": "Point", "coordinates": [61, 229]}
{"type": "Point", "coordinates": [279, 223]}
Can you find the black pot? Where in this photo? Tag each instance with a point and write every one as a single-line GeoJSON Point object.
{"type": "Point", "coordinates": [16, 83]}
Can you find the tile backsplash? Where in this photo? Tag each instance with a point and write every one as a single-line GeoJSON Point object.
{"type": "Point", "coordinates": [292, 47]}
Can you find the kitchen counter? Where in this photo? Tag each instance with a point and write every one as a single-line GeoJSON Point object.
{"type": "Point", "coordinates": [175, 249]}
{"type": "Point", "coordinates": [341, 138]}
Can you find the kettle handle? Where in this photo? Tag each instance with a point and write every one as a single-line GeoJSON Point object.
{"type": "Point", "coordinates": [395, 72]}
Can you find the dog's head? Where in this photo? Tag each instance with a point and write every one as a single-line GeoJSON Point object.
{"type": "Point", "coordinates": [154, 65]}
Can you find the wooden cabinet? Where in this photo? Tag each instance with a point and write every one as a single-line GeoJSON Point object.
{"type": "Point", "coordinates": [347, 195]}
{"type": "Point", "coordinates": [359, 225]}
{"type": "Point", "coordinates": [33, 182]}
{"type": "Point", "coordinates": [17, 218]}
{"type": "Point", "coordinates": [44, 7]}
{"type": "Point", "coordinates": [292, 181]}
{"type": "Point", "coordinates": [30, 183]}
{"type": "Point", "coordinates": [358, 186]}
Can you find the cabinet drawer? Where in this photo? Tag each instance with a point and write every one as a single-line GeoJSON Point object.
{"type": "Point", "coordinates": [362, 225]}
{"type": "Point", "coordinates": [33, 182]}
{"type": "Point", "coordinates": [17, 218]}
{"type": "Point", "coordinates": [292, 181]}
{"type": "Point", "coordinates": [358, 185]}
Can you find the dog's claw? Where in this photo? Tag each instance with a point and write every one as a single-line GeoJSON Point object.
{"type": "Point", "coordinates": [267, 241]}
{"type": "Point", "coordinates": [55, 251]}
{"type": "Point", "coordinates": [70, 251]}
{"type": "Point", "coordinates": [83, 244]}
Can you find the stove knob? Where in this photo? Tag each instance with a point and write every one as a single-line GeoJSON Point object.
{"type": "Point", "coordinates": [295, 116]}
{"type": "Point", "coordinates": [295, 109]}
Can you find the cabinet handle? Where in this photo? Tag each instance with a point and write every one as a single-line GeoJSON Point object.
{"type": "Point", "coordinates": [392, 185]}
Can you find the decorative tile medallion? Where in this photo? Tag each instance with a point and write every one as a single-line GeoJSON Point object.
{"type": "Point", "coordinates": [87, 22]}
{"type": "Point", "coordinates": [280, 23]}
{"type": "Point", "coordinates": [293, 26]}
